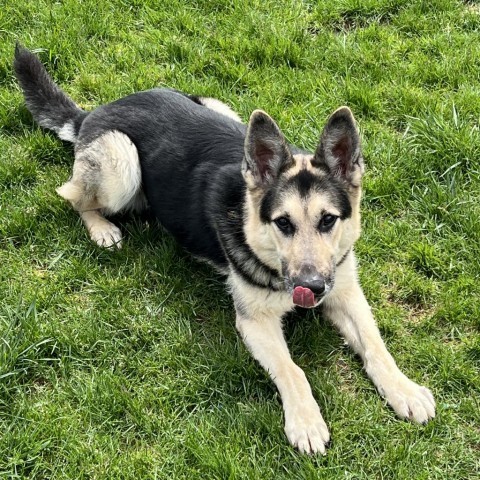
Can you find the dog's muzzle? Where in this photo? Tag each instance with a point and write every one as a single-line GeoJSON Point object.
{"type": "Point", "coordinates": [308, 292]}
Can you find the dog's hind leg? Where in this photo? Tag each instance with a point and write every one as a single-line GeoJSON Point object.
{"type": "Point", "coordinates": [220, 107]}
{"type": "Point", "coordinates": [106, 179]}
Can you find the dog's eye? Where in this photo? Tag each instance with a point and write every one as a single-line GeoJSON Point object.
{"type": "Point", "coordinates": [327, 222]}
{"type": "Point", "coordinates": [285, 225]}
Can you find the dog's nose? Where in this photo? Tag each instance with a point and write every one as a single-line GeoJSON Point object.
{"type": "Point", "coordinates": [315, 284]}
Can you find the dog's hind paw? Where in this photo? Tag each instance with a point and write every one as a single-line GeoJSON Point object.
{"type": "Point", "coordinates": [106, 235]}
{"type": "Point", "coordinates": [306, 429]}
{"type": "Point", "coordinates": [410, 400]}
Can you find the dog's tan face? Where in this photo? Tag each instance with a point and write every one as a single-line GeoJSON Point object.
{"type": "Point", "coordinates": [303, 210]}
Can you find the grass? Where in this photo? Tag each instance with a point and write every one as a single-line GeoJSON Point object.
{"type": "Point", "coordinates": [126, 364]}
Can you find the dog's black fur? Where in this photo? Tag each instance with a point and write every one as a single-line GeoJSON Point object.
{"type": "Point", "coordinates": [190, 157]}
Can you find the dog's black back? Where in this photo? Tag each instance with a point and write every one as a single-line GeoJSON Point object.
{"type": "Point", "coordinates": [190, 158]}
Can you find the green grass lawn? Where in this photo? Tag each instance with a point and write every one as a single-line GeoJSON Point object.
{"type": "Point", "coordinates": [126, 364]}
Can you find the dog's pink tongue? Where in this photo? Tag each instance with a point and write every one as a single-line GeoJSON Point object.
{"type": "Point", "coordinates": [303, 297]}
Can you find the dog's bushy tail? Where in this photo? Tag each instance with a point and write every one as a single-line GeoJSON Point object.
{"type": "Point", "coordinates": [49, 105]}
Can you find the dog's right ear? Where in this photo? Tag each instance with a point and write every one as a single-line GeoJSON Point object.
{"type": "Point", "coordinates": [266, 151]}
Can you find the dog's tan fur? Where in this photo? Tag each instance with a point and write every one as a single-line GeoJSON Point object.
{"type": "Point", "coordinates": [106, 178]}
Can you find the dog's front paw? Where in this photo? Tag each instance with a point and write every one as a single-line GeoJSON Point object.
{"type": "Point", "coordinates": [410, 400]}
{"type": "Point", "coordinates": [306, 429]}
{"type": "Point", "coordinates": [106, 234]}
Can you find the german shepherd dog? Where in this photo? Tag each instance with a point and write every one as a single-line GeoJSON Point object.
{"type": "Point", "coordinates": [278, 221]}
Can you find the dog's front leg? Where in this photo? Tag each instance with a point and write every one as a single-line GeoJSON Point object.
{"type": "Point", "coordinates": [259, 313]}
{"type": "Point", "coordinates": [349, 311]}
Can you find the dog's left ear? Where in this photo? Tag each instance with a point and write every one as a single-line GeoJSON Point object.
{"type": "Point", "coordinates": [266, 151]}
{"type": "Point", "coordinates": [339, 148]}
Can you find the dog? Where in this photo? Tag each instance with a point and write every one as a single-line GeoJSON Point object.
{"type": "Point", "coordinates": [278, 221]}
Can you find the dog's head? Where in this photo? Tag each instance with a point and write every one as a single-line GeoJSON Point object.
{"type": "Point", "coordinates": [303, 209]}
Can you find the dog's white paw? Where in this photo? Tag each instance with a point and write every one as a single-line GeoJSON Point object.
{"type": "Point", "coordinates": [106, 234]}
{"type": "Point", "coordinates": [306, 429]}
{"type": "Point", "coordinates": [410, 400]}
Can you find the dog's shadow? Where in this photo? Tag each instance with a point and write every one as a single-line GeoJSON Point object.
{"type": "Point", "coordinates": [143, 230]}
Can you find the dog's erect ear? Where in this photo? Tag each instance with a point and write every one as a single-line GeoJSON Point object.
{"type": "Point", "coordinates": [266, 151]}
{"type": "Point", "coordinates": [339, 149]}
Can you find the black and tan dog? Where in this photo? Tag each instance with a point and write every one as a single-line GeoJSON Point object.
{"type": "Point", "coordinates": [278, 221]}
